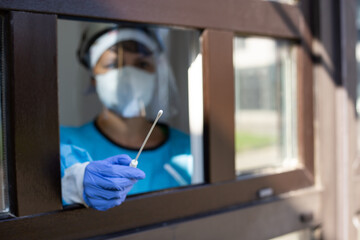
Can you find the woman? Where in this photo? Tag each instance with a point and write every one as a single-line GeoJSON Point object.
{"type": "Point", "coordinates": [133, 81]}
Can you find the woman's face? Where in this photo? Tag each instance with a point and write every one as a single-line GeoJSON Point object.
{"type": "Point", "coordinates": [121, 55]}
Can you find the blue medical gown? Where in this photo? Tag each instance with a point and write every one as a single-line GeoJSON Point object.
{"type": "Point", "coordinates": [166, 166]}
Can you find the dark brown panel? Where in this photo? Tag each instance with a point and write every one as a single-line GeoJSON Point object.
{"type": "Point", "coordinates": [219, 105]}
{"type": "Point", "coordinates": [255, 17]}
{"type": "Point", "coordinates": [149, 209]}
{"type": "Point", "coordinates": [34, 144]}
{"type": "Point", "coordinates": [232, 224]}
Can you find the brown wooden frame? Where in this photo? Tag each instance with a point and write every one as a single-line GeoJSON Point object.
{"type": "Point", "coordinates": [33, 116]}
{"type": "Point", "coordinates": [31, 104]}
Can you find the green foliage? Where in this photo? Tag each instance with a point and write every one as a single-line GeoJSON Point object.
{"type": "Point", "coordinates": [245, 141]}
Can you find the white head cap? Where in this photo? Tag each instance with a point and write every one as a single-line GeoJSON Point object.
{"type": "Point", "coordinates": [115, 36]}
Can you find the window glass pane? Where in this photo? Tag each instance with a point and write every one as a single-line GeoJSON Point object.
{"type": "Point", "coordinates": [265, 95]}
{"type": "Point", "coordinates": [107, 106]}
{"type": "Point", "coordinates": [3, 183]}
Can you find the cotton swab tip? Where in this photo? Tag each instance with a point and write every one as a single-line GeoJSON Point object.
{"type": "Point", "coordinates": [160, 113]}
{"type": "Point", "coordinates": [133, 163]}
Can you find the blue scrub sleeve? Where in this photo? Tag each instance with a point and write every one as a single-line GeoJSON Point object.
{"type": "Point", "coordinates": [70, 155]}
{"type": "Point", "coordinates": [73, 161]}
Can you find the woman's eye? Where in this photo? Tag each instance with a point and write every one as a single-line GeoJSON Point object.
{"type": "Point", "coordinates": [111, 65]}
{"type": "Point", "coordinates": [143, 64]}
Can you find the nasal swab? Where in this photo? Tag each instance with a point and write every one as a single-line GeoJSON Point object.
{"type": "Point", "coordinates": [134, 162]}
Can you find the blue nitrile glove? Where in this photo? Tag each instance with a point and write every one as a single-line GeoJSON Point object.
{"type": "Point", "coordinates": [106, 182]}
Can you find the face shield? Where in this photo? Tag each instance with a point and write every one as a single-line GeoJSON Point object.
{"type": "Point", "coordinates": [135, 78]}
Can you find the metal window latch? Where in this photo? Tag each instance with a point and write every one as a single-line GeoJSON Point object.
{"type": "Point", "coordinates": [306, 217]}
{"type": "Point", "coordinates": [265, 192]}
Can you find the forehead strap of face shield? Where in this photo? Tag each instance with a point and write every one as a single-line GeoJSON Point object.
{"type": "Point", "coordinates": [119, 35]}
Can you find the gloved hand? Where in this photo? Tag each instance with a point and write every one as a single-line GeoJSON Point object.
{"type": "Point", "coordinates": [107, 182]}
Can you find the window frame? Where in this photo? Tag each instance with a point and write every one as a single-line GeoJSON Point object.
{"type": "Point", "coordinates": [29, 149]}
{"type": "Point", "coordinates": [36, 190]}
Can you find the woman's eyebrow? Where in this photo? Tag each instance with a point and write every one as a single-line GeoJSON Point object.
{"type": "Point", "coordinates": [113, 49]}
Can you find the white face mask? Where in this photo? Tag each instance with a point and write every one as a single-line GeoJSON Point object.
{"type": "Point", "coordinates": [126, 91]}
